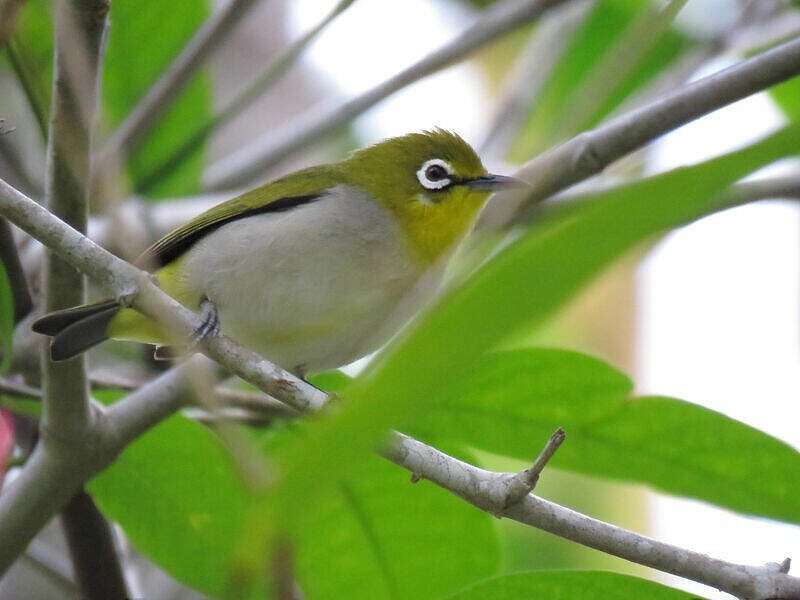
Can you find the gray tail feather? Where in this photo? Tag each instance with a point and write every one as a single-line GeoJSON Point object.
{"type": "Point", "coordinates": [77, 329]}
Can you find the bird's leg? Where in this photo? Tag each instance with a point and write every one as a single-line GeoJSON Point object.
{"type": "Point", "coordinates": [210, 324]}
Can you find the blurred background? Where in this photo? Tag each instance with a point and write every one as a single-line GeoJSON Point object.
{"type": "Point", "coordinates": [708, 314]}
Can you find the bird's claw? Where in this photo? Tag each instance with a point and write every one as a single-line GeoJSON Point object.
{"type": "Point", "coordinates": [210, 325]}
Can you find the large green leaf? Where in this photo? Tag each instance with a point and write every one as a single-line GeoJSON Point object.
{"type": "Point", "coordinates": [378, 536]}
{"type": "Point", "coordinates": [526, 282]}
{"type": "Point", "coordinates": [569, 585]}
{"type": "Point", "coordinates": [145, 37]}
{"type": "Point", "coordinates": [515, 399]}
{"type": "Point", "coordinates": [179, 499]}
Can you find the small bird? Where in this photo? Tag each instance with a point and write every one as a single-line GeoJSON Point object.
{"type": "Point", "coordinates": [313, 270]}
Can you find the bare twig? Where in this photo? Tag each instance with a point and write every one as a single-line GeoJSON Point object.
{"type": "Point", "coordinates": [263, 83]}
{"type": "Point", "coordinates": [247, 163]}
{"type": "Point", "coordinates": [147, 113]}
{"type": "Point", "coordinates": [590, 152]}
{"type": "Point", "coordinates": [531, 71]}
{"type": "Point", "coordinates": [525, 481]}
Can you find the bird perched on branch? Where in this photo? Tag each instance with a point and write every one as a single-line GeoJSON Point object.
{"type": "Point", "coordinates": [315, 269]}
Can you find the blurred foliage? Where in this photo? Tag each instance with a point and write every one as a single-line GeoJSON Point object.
{"type": "Point", "coordinates": [569, 585]}
{"type": "Point", "coordinates": [606, 26]}
{"type": "Point", "coordinates": [787, 95]}
{"type": "Point", "coordinates": [6, 320]}
{"type": "Point", "coordinates": [146, 36]}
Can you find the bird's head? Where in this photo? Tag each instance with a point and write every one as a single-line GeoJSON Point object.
{"type": "Point", "coordinates": [433, 183]}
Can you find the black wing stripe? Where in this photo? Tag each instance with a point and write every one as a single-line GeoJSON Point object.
{"type": "Point", "coordinates": [160, 255]}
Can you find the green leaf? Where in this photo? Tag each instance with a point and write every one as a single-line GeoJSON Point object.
{"type": "Point", "coordinates": [378, 536]}
{"type": "Point", "coordinates": [178, 497]}
{"type": "Point", "coordinates": [30, 52]}
{"type": "Point", "coordinates": [145, 37]}
{"type": "Point", "coordinates": [6, 320]}
{"type": "Point", "coordinates": [514, 400]}
{"type": "Point", "coordinates": [566, 585]}
{"type": "Point", "coordinates": [787, 95]}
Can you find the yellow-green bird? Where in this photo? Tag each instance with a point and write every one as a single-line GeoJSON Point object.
{"type": "Point", "coordinates": [315, 269]}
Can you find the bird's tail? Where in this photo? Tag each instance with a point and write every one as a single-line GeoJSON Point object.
{"type": "Point", "coordinates": [75, 330]}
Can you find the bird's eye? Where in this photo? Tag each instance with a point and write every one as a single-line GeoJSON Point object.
{"type": "Point", "coordinates": [435, 174]}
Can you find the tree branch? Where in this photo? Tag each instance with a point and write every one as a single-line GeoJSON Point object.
{"type": "Point", "coordinates": [91, 545]}
{"type": "Point", "coordinates": [147, 113]}
{"type": "Point", "coordinates": [252, 160]}
{"type": "Point", "coordinates": [489, 491]}
{"type": "Point", "coordinates": [591, 151]}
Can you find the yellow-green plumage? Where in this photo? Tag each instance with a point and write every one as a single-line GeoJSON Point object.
{"type": "Point", "coordinates": [319, 267]}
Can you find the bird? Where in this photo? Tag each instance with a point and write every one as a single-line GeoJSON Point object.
{"type": "Point", "coordinates": [312, 270]}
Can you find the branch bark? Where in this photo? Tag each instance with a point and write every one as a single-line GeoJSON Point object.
{"type": "Point", "coordinates": [247, 163]}
{"type": "Point", "coordinates": [592, 151]}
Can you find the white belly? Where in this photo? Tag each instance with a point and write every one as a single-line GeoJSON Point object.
{"type": "Point", "coordinates": [312, 288]}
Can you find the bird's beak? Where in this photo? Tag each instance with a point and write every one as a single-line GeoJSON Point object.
{"type": "Point", "coordinates": [494, 183]}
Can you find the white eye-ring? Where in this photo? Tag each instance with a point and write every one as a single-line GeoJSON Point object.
{"type": "Point", "coordinates": [434, 174]}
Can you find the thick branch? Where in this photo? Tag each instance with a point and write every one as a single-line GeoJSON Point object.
{"type": "Point", "coordinates": [489, 490]}
{"type": "Point", "coordinates": [247, 163]}
{"type": "Point", "coordinates": [592, 151]}
{"type": "Point", "coordinates": [147, 113]}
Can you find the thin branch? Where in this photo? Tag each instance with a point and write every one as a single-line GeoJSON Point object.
{"type": "Point", "coordinates": [148, 112]}
{"type": "Point", "coordinates": [263, 83]}
{"type": "Point", "coordinates": [252, 160]}
{"type": "Point", "coordinates": [94, 555]}
{"type": "Point", "coordinates": [531, 71]}
{"type": "Point", "coordinates": [489, 491]}
{"type": "Point", "coordinates": [135, 287]}
{"type": "Point", "coordinates": [590, 152]}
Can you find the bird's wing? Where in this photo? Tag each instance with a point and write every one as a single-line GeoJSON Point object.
{"type": "Point", "coordinates": [284, 194]}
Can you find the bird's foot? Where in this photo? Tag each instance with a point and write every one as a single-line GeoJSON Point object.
{"type": "Point", "coordinates": [210, 325]}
